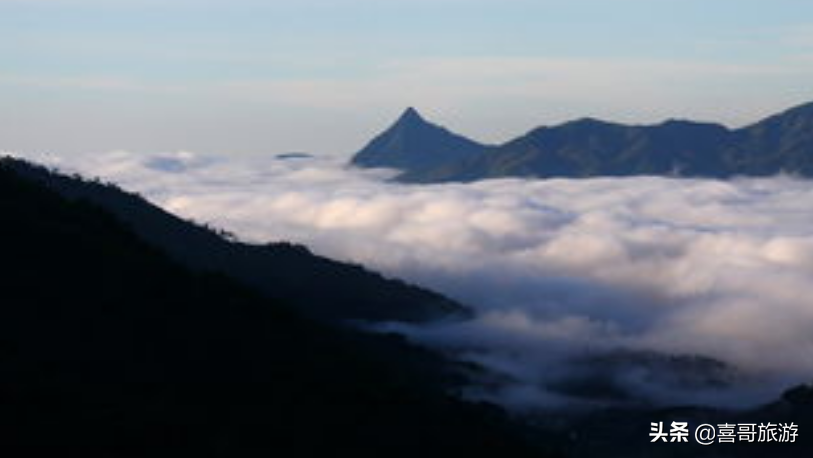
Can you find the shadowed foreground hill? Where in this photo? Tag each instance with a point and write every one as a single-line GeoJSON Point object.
{"type": "Point", "coordinates": [109, 348]}
{"type": "Point", "coordinates": [317, 286]}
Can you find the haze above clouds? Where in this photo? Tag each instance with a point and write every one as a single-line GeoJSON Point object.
{"type": "Point", "coordinates": [566, 275]}
{"type": "Point", "coordinates": [234, 76]}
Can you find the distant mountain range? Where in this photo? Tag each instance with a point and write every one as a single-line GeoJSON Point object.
{"type": "Point", "coordinates": [427, 153]}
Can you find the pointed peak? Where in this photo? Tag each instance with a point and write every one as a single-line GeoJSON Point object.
{"type": "Point", "coordinates": [411, 115]}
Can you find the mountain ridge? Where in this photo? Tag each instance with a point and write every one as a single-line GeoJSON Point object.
{"type": "Point", "coordinates": [589, 147]}
{"type": "Point", "coordinates": [319, 287]}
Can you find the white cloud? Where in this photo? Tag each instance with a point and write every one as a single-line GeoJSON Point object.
{"type": "Point", "coordinates": [568, 276]}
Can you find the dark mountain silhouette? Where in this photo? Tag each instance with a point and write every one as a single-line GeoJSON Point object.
{"type": "Point", "coordinates": [416, 146]}
{"type": "Point", "coordinates": [320, 287]}
{"type": "Point", "coordinates": [109, 348]}
{"type": "Point", "coordinates": [589, 147]}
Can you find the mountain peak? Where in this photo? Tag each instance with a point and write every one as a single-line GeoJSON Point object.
{"type": "Point", "coordinates": [411, 116]}
{"type": "Point", "coordinates": [414, 143]}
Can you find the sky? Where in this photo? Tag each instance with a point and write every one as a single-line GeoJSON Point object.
{"type": "Point", "coordinates": [324, 76]}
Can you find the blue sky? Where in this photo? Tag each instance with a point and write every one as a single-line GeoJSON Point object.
{"type": "Point", "coordinates": [251, 76]}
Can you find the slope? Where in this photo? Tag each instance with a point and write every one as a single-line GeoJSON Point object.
{"type": "Point", "coordinates": [415, 145]}
{"type": "Point", "coordinates": [110, 349]}
{"type": "Point", "coordinates": [317, 286]}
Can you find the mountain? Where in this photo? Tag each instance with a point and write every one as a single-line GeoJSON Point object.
{"type": "Point", "coordinates": [416, 146]}
{"type": "Point", "coordinates": [109, 348]}
{"type": "Point", "coordinates": [317, 286]}
{"type": "Point", "coordinates": [780, 143]}
{"type": "Point", "coordinates": [590, 147]}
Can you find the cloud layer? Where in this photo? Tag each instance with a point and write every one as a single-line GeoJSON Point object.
{"type": "Point", "coordinates": [602, 290]}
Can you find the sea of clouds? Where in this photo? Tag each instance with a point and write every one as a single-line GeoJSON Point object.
{"type": "Point", "coordinates": [651, 290]}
